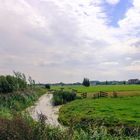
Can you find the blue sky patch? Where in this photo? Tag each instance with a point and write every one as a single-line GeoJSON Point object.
{"type": "Point", "coordinates": [117, 12]}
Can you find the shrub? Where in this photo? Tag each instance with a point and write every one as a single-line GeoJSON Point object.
{"type": "Point", "coordinates": [21, 80]}
{"type": "Point", "coordinates": [8, 84]}
{"type": "Point", "coordinates": [11, 83]}
{"type": "Point", "coordinates": [62, 97]}
{"type": "Point", "coordinates": [47, 86]}
{"type": "Point", "coordinates": [23, 128]}
{"type": "Point", "coordinates": [15, 129]}
{"type": "Point", "coordinates": [4, 85]}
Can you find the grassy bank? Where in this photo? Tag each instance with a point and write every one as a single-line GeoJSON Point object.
{"type": "Point", "coordinates": [18, 101]}
{"type": "Point", "coordinates": [22, 128]}
{"type": "Point", "coordinates": [110, 111]}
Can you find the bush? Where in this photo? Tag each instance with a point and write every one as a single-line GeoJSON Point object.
{"type": "Point", "coordinates": [62, 97]}
{"type": "Point", "coordinates": [47, 86]}
{"type": "Point", "coordinates": [4, 85]}
{"type": "Point", "coordinates": [10, 84]}
{"type": "Point", "coordinates": [23, 128]}
{"type": "Point", "coordinates": [15, 129]}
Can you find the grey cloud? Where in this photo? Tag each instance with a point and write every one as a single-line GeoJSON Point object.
{"type": "Point", "coordinates": [136, 44]}
{"type": "Point", "coordinates": [51, 40]}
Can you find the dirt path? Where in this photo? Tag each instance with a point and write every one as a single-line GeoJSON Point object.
{"type": "Point", "coordinates": [44, 106]}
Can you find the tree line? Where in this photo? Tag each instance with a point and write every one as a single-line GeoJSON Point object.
{"type": "Point", "coordinates": [16, 82]}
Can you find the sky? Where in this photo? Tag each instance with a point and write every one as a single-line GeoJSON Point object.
{"type": "Point", "coordinates": [67, 40]}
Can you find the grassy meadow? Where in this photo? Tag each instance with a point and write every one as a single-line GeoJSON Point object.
{"type": "Point", "coordinates": [110, 111]}
{"type": "Point", "coordinates": [122, 90]}
{"type": "Point", "coordinates": [97, 88]}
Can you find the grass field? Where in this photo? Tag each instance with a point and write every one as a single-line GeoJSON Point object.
{"type": "Point", "coordinates": [106, 88]}
{"type": "Point", "coordinates": [122, 110]}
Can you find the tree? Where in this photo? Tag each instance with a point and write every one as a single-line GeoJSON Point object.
{"type": "Point", "coordinates": [124, 82]}
{"type": "Point", "coordinates": [47, 86]}
{"type": "Point", "coordinates": [86, 82]}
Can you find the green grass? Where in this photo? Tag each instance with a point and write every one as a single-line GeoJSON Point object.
{"type": "Point", "coordinates": [106, 88]}
{"type": "Point", "coordinates": [111, 111]}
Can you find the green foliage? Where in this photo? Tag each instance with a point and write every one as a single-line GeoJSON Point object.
{"type": "Point", "coordinates": [23, 128]}
{"type": "Point", "coordinates": [18, 101]}
{"type": "Point", "coordinates": [110, 111]}
{"type": "Point", "coordinates": [11, 83]}
{"type": "Point", "coordinates": [8, 84]}
{"type": "Point", "coordinates": [86, 82]}
{"type": "Point", "coordinates": [31, 82]}
{"type": "Point", "coordinates": [15, 129]}
{"type": "Point", "coordinates": [47, 86]}
{"type": "Point", "coordinates": [21, 80]}
{"type": "Point", "coordinates": [4, 86]}
{"type": "Point", "coordinates": [102, 133]}
{"type": "Point", "coordinates": [62, 97]}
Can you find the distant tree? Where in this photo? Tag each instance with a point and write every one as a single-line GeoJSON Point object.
{"type": "Point", "coordinates": [124, 82]}
{"type": "Point", "coordinates": [86, 82]}
{"type": "Point", "coordinates": [106, 82]}
{"type": "Point", "coordinates": [47, 86]}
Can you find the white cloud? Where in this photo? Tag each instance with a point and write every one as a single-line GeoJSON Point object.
{"type": "Point", "coordinates": [66, 40]}
{"type": "Point", "coordinates": [111, 63]}
{"type": "Point", "coordinates": [128, 58]}
{"type": "Point", "coordinates": [130, 24]}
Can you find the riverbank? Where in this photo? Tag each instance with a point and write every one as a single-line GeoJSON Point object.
{"type": "Point", "coordinates": [45, 107]}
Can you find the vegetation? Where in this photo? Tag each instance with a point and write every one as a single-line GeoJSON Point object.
{"type": "Point", "coordinates": [47, 86]}
{"type": "Point", "coordinates": [105, 88]}
{"type": "Point", "coordinates": [23, 128]}
{"type": "Point", "coordinates": [87, 119]}
{"type": "Point", "coordinates": [10, 83]}
{"type": "Point", "coordinates": [16, 95]}
{"type": "Point", "coordinates": [86, 82]}
{"type": "Point", "coordinates": [62, 97]}
{"type": "Point", "coordinates": [110, 111]}
{"type": "Point", "coordinates": [18, 101]}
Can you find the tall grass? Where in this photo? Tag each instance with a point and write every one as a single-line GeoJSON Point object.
{"type": "Point", "coordinates": [18, 101]}
{"type": "Point", "coordinates": [23, 128]}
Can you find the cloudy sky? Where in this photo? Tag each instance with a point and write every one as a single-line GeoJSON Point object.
{"type": "Point", "coordinates": [66, 40]}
